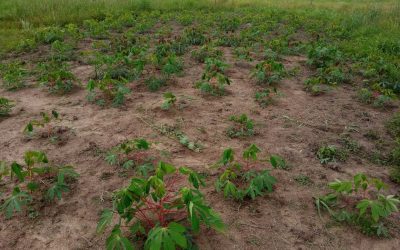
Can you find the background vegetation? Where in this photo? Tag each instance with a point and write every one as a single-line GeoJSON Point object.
{"type": "Point", "coordinates": [368, 19]}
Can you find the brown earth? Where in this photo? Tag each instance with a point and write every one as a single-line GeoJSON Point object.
{"type": "Point", "coordinates": [294, 127]}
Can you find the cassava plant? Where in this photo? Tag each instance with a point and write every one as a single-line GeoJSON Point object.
{"type": "Point", "coordinates": [44, 122]}
{"type": "Point", "coordinates": [128, 154]}
{"type": "Point", "coordinates": [359, 202]}
{"type": "Point", "coordinates": [265, 97]}
{"type": "Point", "coordinates": [5, 106]}
{"type": "Point", "coordinates": [56, 77]}
{"type": "Point", "coordinates": [35, 179]}
{"type": "Point", "coordinates": [243, 126]}
{"type": "Point", "coordinates": [13, 75]}
{"type": "Point", "coordinates": [111, 90]}
{"type": "Point", "coordinates": [159, 212]}
{"type": "Point", "coordinates": [214, 79]}
{"type": "Point", "coordinates": [244, 179]}
{"type": "Point", "coordinates": [169, 101]}
{"type": "Point", "coordinates": [268, 72]}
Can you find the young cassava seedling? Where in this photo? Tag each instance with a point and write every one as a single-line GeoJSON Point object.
{"type": "Point", "coordinates": [243, 126]}
{"type": "Point", "coordinates": [242, 180]}
{"type": "Point", "coordinates": [213, 80]}
{"type": "Point", "coordinates": [169, 101]}
{"type": "Point", "coordinates": [359, 202]}
{"type": "Point", "coordinates": [43, 123]}
{"type": "Point", "coordinates": [113, 91]}
{"type": "Point", "coordinates": [268, 72]}
{"type": "Point", "coordinates": [5, 106]}
{"type": "Point", "coordinates": [35, 179]}
{"type": "Point", "coordinates": [129, 154]}
{"type": "Point", "coordinates": [151, 210]}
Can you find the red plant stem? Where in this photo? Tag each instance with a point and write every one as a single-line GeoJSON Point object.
{"type": "Point", "coordinates": [148, 221]}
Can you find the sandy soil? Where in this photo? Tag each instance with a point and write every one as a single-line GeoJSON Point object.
{"type": "Point", "coordinates": [293, 127]}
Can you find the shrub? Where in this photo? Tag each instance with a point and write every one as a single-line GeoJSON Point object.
{"type": "Point", "coordinates": [240, 181]}
{"type": "Point", "coordinates": [359, 202]}
{"type": "Point", "coordinates": [36, 179]}
{"type": "Point", "coordinates": [5, 106]}
{"type": "Point", "coordinates": [243, 127]}
{"type": "Point", "coordinates": [150, 208]}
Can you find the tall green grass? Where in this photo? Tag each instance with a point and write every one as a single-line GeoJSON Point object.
{"type": "Point", "coordinates": [375, 20]}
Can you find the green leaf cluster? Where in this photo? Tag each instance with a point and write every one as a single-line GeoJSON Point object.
{"type": "Point", "coordinates": [35, 176]}
{"type": "Point", "coordinates": [366, 213]}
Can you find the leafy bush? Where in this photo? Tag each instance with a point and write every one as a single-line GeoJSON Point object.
{"type": "Point", "coordinates": [393, 125]}
{"type": "Point", "coordinates": [214, 79]}
{"type": "Point", "coordinates": [206, 51]}
{"type": "Point", "coordinates": [268, 72]}
{"type": "Point", "coordinates": [13, 75]}
{"type": "Point", "coordinates": [154, 83]}
{"type": "Point", "coordinates": [172, 66]}
{"type": "Point", "coordinates": [35, 179]}
{"type": "Point", "coordinates": [243, 127]}
{"type": "Point", "coordinates": [359, 202]}
{"type": "Point", "coordinates": [240, 182]}
{"type": "Point", "coordinates": [56, 77]}
{"type": "Point", "coordinates": [323, 57]}
{"type": "Point", "coordinates": [111, 90]}
{"type": "Point", "coordinates": [128, 154]}
{"type": "Point", "coordinates": [61, 51]}
{"type": "Point", "coordinates": [265, 97]}
{"type": "Point", "coordinates": [48, 35]}
{"type": "Point", "coordinates": [194, 36]}
{"type": "Point", "coordinates": [169, 100]}
{"type": "Point", "coordinates": [5, 106]}
{"type": "Point", "coordinates": [331, 153]}
{"type": "Point", "coordinates": [150, 208]}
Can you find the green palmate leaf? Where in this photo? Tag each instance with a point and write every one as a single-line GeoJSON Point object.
{"type": "Point", "coordinates": [18, 171]}
{"type": "Point", "coordinates": [105, 220]}
{"type": "Point", "coordinates": [57, 189]}
{"type": "Point", "coordinates": [167, 238]}
{"type": "Point", "coordinates": [199, 212]}
{"type": "Point", "coordinates": [164, 168]}
{"type": "Point", "coordinates": [33, 157]}
{"type": "Point", "coordinates": [116, 241]}
{"type": "Point", "coordinates": [137, 228]}
{"type": "Point", "coordinates": [227, 156]}
{"type": "Point", "coordinates": [28, 128]}
{"type": "Point", "coordinates": [145, 169]}
{"type": "Point", "coordinates": [194, 178]}
{"type": "Point", "coordinates": [158, 186]}
{"type": "Point", "coordinates": [67, 171]}
{"type": "Point", "coordinates": [4, 169]}
{"type": "Point", "coordinates": [142, 144]}
{"type": "Point", "coordinates": [32, 186]}
{"type": "Point", "coordinates": [261, 183]}
{"type": "Point", "coordinates": [230, 190]}
{"type": "Point", "coordinates": [251, 152]}
{"type": "Point", "coordinates": [277, 162]}
{"type": "Point", "coordinates": [111, 158]}
{"type": "Point", "coordinates": [325, 202]}
{"type": "Point", "coordinates": [128, 164]}
{"type": "Point", "coordinates": [15, 202]}
{"type": "Point", "coordinates": [341, 186]}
